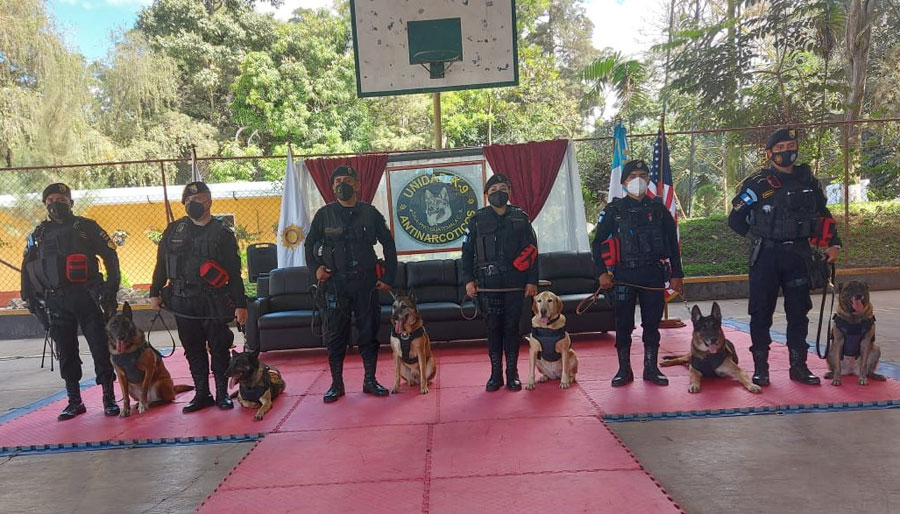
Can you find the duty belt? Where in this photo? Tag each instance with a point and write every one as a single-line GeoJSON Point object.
{"type": "Point", "coordinates": [772, 243]}
{"type": "Point", "coordinates": [490, 270]}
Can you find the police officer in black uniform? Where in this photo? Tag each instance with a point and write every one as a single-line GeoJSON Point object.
{"type": "Point", "coordinates": [637, 234]}
{"type": "Point", "coordinates": [198, 278]}
{"type": "Point", "coordinates": [340, 247]}
{"type": "Point", "coordinates": [500, 252]}
{"type": "Point", "coordinates": [62, 285]}
{"type": "Point", "coordinates": [781, 208]}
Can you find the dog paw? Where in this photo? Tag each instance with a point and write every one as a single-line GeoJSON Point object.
{"type": "Point", "coordinates": [258, 417]}
{"type": "Point", "coordinates": [753, 388]}
{"type": "Point", "coordinates": [836, 382]}
{"type": "Point", "coordinates": [863, 381]}
{"type": "Point", "coordinates": [694, 388]}
{"type": "Point", "coordinates": [424, 390]}
{"type": "Point", "coordinates": [141, 408]}
{"type": "Point", "coordinates": [125, 413]}
{"type": "Point", "coordinates": [395, 389]}
{"type": "Point", "coordinates": [529, 386]}
{"type": "Point", "coordinates": [564, 385]}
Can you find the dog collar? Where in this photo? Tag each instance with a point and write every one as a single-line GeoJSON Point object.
{"type": "Point", "coordinates": [408, 336]}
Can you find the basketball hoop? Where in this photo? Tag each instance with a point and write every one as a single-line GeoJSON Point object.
{"type": "Point", "coordinates": [437, 62]}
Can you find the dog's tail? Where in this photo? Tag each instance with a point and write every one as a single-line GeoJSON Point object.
{"type": "Point", "coordinates": [182, 388]}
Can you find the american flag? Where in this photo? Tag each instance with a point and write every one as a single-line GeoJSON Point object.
{"type": "Point", "coordinates": [661, 186]}
{"type": "Point", "coordinates": [662, 168]}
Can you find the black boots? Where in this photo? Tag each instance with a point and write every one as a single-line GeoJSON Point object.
{"type": "Point", "coordinates": [110, 408]}
{"type": "Point", "coordinates": [512, 369]}
{"type": "Point", "coordinates": [760, 367]}
{"type": "Point", "coordinates": [223, 400]}
{"type": "Point", "coordinates": [75, 406]}
{"type": "Point", "coordinates": [370, 385]}
{"type": "Point", "coordinates": [624, 375]}
{"type": "Point", "coordinates": [496, 380]}
{"type": "Point", "coordinates": [202, 399]}
{"type": "Point", "coordinates": [799, 372]}
{"type": "Point", "coordinates": [337, 381]}
{"type": "Point", "coordinates": [651, 370]}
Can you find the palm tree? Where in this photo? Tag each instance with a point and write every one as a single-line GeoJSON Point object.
{"type": "Point", "coordinates": [617, 74]}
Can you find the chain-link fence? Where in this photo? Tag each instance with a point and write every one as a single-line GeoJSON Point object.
{"type": "Point", "coordinates": [128, 199]}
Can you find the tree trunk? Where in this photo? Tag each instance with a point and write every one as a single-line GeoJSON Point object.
{"type": "Point", "coordinates": [857, 40]}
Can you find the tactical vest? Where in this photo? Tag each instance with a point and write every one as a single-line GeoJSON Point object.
{"type": "Point", "coordinates": [347, 248]}
{"type": "Point", "coordinates": [270, 380]}
{"type": "Point", "coordinates": [640, 231]}
{"type": "Point", "coordinates": [495, 248]}
{"type": "Point", "coordinates": [128, 363]}
{"type": "Point", "coordinates": [853, 334]}
{"type": "Point", "coordinates": [548, 337]}
{"type": "Point", "coordinates": [53, 244]}
{"type": "Point", "coordinates": [406, 343]}
{"type": "Point", "coordinates": [188, 249]}
{"type": "Point", "coordinates": [707, 366]}
{"type": "Point", "coordinates": [790, 215]}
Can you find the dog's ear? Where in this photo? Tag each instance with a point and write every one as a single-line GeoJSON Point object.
{"type": "Point", "coordinates": [126, 310]}
{"type": "Point", "coordinates": [234, 353]}
{"type": "Point", "coordinates": [412, 296]}
{"type": "Point", "coordinates": [716, 311]}
{"type": "Point", "coordinates": [840, 287]}
{"type": "Point", "coordinates": [255, 353]}
{"type": "Point", "coordinates": [696, 314]}
{"type": "Point", "coordinates": [534, 307]}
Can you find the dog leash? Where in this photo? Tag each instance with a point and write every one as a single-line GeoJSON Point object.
{"type": "Point", "coordinates": [158, 316]}
{"type": "Point", "coordinates": [828, 335]}
{"type": "Point", "coordinates": [590, 301]}
{"type": "Point", "coordinates": [462, 311]}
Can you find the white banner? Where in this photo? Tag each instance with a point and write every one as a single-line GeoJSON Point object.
{"type": "Point", "coordinates": [294, 221]}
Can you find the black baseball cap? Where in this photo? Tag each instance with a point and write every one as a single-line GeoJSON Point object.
{"type": "Point", "coordinates": [54, 189]}
{"type": "Point", "coordinates": [637, 164]}
{"type": "Point", "coordinates": [344, 170]}
{"type": "Point", "coordinates": [785, 134]}
{"type": "Point", "coordinates": [192, 189]}
{"type": "Point", "coordinates": [496, 178]}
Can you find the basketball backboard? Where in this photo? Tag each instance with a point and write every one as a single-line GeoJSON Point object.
{"type": "Point", "coordinates": [404, 47]}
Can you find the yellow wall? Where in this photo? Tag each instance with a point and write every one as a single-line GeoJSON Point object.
{"type": "Point", "coordinates": [138, 256]}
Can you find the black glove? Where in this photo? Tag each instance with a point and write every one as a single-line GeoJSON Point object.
{"type": "Point", "coordinates": [35, 308]}
{"type": "Point", "coordinates": [108, 303]}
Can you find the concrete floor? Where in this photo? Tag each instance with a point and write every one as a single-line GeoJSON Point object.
{"type": "Point", "coordinates": [795, 463]}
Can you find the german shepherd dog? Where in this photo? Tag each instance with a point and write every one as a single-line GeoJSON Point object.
{"type": "Point", "coordinates": [139, 367]}
{"type": "Point", "coordinates": [711, 354]}
{"type": "Point", "coordinates": [549, 346]}
{"type": "Point", "coordinates": [853, 350]}
{"type": "Point", "coordinates": [410, 345]}
{"type": "Point", "coordinates": [258, 384]}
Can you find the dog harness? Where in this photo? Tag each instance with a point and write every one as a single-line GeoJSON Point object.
{"type": "Point", "coordinates": [406, 344]}
{"type": "Point", "coordinates": [254, 394]}
{"type": "Point", "coordinates": [853, 334]}
{"type": "Point", "coordinates": [707, 365]}
{"type": "Point", "coordinates": [548, 338]}
{"type": "Point", "coordinates": [128, 363]}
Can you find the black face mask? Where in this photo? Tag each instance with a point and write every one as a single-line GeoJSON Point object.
{"type": "Point", "coordinates": [785, 158]}
{"type": "Point", "coordinates": [344, 191]}
{"type": "Point", "coordinates": [498, 198]}
{"type": "Point", "coordinates": [195, 210]}
{"type": "Point", "coordinates": [59, 210]}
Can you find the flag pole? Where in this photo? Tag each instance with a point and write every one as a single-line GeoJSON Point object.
{"type": "Point", "coordinates": [666, 322]}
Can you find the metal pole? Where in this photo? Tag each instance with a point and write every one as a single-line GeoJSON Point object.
{"type": "Point", "coordinates": [438, 131]}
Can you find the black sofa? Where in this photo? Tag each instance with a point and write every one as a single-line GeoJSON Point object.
{"type": "Point", "coordinates": [283, 315]}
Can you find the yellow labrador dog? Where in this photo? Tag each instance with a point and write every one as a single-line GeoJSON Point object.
{"type": "Point", "coordinates": [550, 349]}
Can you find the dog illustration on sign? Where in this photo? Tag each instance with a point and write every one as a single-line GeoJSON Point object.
{"type": "Point", "coordinates": [437, 207]}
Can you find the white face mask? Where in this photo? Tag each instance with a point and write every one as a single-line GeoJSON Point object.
{"type": "Point", "coordinates": [636, 187]}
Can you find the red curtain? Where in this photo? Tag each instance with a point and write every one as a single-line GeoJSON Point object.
{"type": "Point", "coordinates": [370, 168]}
{"type": "Point", "coordinates": [531, 168]}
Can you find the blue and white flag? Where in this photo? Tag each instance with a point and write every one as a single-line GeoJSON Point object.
{"type": "Point", "coordinates": [294, 221]}
{"type": "Point", "coordinates": [620, 157]}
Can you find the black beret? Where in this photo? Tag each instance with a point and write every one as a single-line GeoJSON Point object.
{"type": "Point", "coordinates": [192, 189]}
{"type": "Point", "coordinates": [58, 188]}
{"type": "Point", "coordinates": [344, 171]}
{"type": "Point", "coordinates": [496, 178]}
{"type": "Point", "coordinates": [637, 164]}
{"type": "Point", "coordinates": [785, 134]}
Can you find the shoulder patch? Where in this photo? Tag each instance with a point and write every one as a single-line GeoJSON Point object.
{"type": "Point", "coordinates": [601, 216]}
{"type": "Point", "coordinates": [748, 197]}
{"type": "Point", "coordinates": [768, 193]}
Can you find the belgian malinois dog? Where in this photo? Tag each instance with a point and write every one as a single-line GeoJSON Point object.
{"type": "Point", "coordinates": [139, 367]}
{"type": "Point", "coordinates": [853, 349]}
{"type": "Point", "coordinates": [711, 354]}
{"type": "Point", "coordinates": [411, 346]}
{"type": "Point", "coordinates": [258, 384]}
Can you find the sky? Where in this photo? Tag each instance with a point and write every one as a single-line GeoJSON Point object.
{"type": "Point", "coordinates": [624, 25]}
